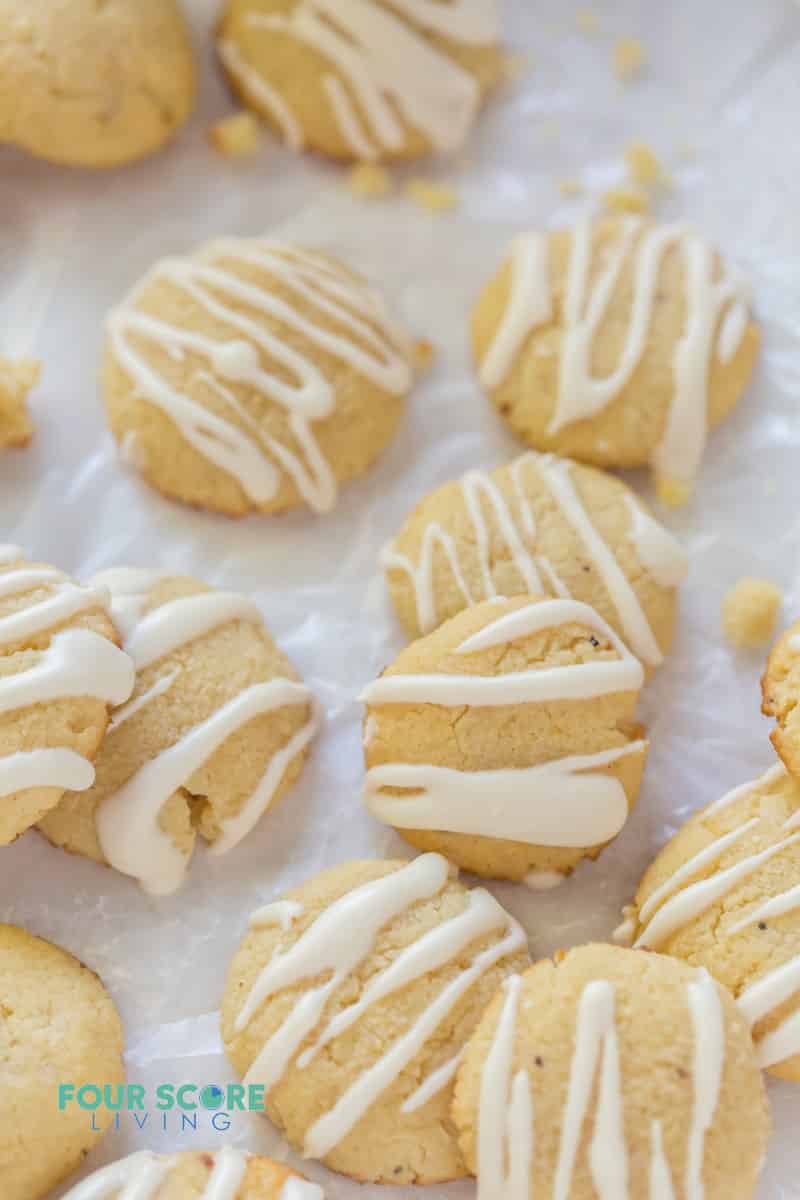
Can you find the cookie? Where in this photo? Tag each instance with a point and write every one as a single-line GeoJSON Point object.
{"type": "Point", "coordinates": [94, 85]}
{"type": "Point", "coordinates": [620, 343]}
{"type": "Point", "coordinates": [539, 525]}
{"type": "Point", "coordinates": [506, 740]}
{"type": "Point", "coordinates": [780, 692]}
{"type": "Point", "coordinates": [60, 672]}
{"type": "Point", "coordinates": [58, 1024]}
{"type": "Point", "coordinates": [724, 894]}
{"type": "Point", "coordinates": [17, 378]}
{"type": "Point", "coordinates": [350, 1000]}
{"type": "Point", "coordinates": [254, 375]}
{"type": "Point", "coordinates": [217, 729]}
{"type": "Point", "coordinates": [749, 612]}
{"type": "Point", "coordinates": [364, 80]}
{"type": "Point", "coordinates": [611, 1073]}
{"type": "Point", "coordinates": [226, 1174]}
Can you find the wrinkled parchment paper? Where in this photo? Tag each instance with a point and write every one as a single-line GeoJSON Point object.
{"type": "Point", "coordinates": [720, 102]}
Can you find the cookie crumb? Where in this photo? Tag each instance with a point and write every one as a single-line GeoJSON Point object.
{"type": "Point", "coordinates": [587, 20]}
{"type": "Point", "coordinates": [749, 611]}
{"type": "Point", "coordinates": [237, 136]}
{"type": "Point", "coordinates": [570, 187]}
{"type": "Point", "coordinates": [626, 199]}
{"type": "Point", "coordinates": [424, 355]}
{"type": "Point", "coordinates": [643, 165]}
{"type": "Point", "coordinates": [436, 197]}
{"type": "Point", "coordinates": [17, 378]}
{"type": "Point", "coordinates": [673, 493]}
{"type": "Point", "coordinates": [368, 181]}
{"type": "Point", "coordinates": [629, 59]}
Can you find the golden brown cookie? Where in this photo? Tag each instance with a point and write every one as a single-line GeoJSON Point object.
{"type": "Point", "coordinates": [60, 672]}
{"type": "Point", "coordinates": [17, 378]}
{"type": "Point", "coordinates": [620, 342]}
{"type": "Point", "coordinates": [363, 80]}
{"type": "Point", "coordinates": [506, 739]}
{"type": "Point", "coordinates": [254, 375]}
{"type": "Point", "coordinates": [538, 525]}
{"type": "Point", "coordinates": [94, 85]}
{"type": "Point", "coordinates": [58, 1025]}
{"type": "Point", "coordinates": [724, 894]}
{"type": "Point", "coordinates": [217, 729]}
{"type": "Point", "coordinates": [780, 691]}
{"type": "Point", "coordinates": [612, 1073]}
{"type": "Point", "coordinates": [226, 1174]}
{"type": "Point", "coordinates": [350, 1000]}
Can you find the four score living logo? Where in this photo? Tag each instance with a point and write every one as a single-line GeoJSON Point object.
{"type": "Point", "coordinates": [169, 1107]}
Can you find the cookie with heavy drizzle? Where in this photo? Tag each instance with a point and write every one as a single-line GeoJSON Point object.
{"type": "Point", "coordinates": [254, 375]}
{"type": "Point", "coordinates": [620, 342]}
{"type": "Point", "coordinates": [350, 999]}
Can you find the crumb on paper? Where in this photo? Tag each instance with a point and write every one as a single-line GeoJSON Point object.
{"type": "Point", "coordinates": [17, 378]}
{"type": "Point", "coordinates": [515, 66]}
{"type": "Point", "coordinates": [626, 199]}
{"type": "Point", "coordinates": [570, 187]}
{"type": "Point", "coordinates": [644, 166]}
{"type": "Point", "coordinates": [673, 493]}
{"type": "Point", "coordinates": [237, 136]}
{"type": "Point", "coordinates": [587, 20]}
{"type": "Point", "coordinates": [435, 197]}
{"type": "Point", "coordinates": [749, 611]}
{"type": "Point", "coordinates": [368, 181]}
{"type": "Point", "coordinates": [423, 355]}
{"type": "Point", "coordinates": [629, 59]}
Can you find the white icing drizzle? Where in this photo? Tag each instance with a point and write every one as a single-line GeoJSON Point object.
{"type": "Point", "coordinates": [516, 803]}
{"type": "Point", "coordinates": [9, 553]}
{"type": "Point", "coordinates": [777, 906]}
{"type": "Point", "coordinates": [335, 944]}
{"type": "Point", "coordinates": [716, 320]}
{"type": "Point", "coordinates": [140, 1176]}
{"type": "Point", "coordinates": [763, 997]}
{"type": "Point", "coordinates": [541, 880]}
{"type": "Point", "coordinates": [436, 1082]}
{"type": "Point", "coordinates": [366, 341]}
{"type": "Point", "coordinates": [505, 1116]}
{"type": "Point", "coordinates": [581, 681]}
{"type": "Point", "coordinates": [66, 599]}
{"type": "Point", "coordinates": [376, 56]}
{"type": "Point", "coordinates": [127, 821]}
{"type": "Point", "coordinates": [262, 92]}
{"type": "Point", "coordinates": [778, 771]}
{"type": "Point", "coordinates": [506, 1109]}
{"type": "Point", "coordinates": [301, 1189]}
{"type": "Point", "coordinates": [58, 768]}
{"type": "Point", "coordinates": [280, 912]}
{"type": "Point", "coordinates": [660, 554]}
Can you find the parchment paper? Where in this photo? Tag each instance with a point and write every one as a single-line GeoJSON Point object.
{"type": "Point", "coordinates": [720, 102]}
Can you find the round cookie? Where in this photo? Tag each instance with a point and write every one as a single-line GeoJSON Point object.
{"type": "Point", "coordinates": [612, 1073]}
{"type": "Point", "coordinates": [724, 894]}
{"type": "Point", "coordinates": [620, 342]}
{"type": "Point", "coordinates": [57, 1025]}
{"type": "Point", "coordinates": [226, 1174]}
{"type": "Point", "coordinates": [217, 729]}
{"type": "Point", "coordinates": [506, 739]}
{"type": "Point", "coordinates": [780, 692]}
{"type": "Point", "coordinates": [94, 85]}
{"type": "Point", "coordinates": [254, 375]}
{"type": "Point", "coordinates": [60, 671]}
{"type": "Point", "coordinates": [363, 80]}
{"type": "Point", "coordinates": [539, 525]}
{"type": "Point", "coordinates": [350, 1000]}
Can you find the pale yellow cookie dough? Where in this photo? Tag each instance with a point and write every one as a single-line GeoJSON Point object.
{"type": "Point", "coordinates": [749, 611]}
{"type": "Point", "coordinates": [549, 386]}
{"type": "Point", "coordinates": [780, 691]}
{"type": "Point", "coordinates": [673, 1028]}
{"type": "Point", "coordinates": [186, 1175]}
{"type": "Point", "coordinates": [254, 375]}
{"type": "Point", "coordinates": [58, 1025]}
{"type": "Point", "coordinates": [389, 1143]}
{"type": "Point", "coordinates": [94, 85]}
{"type": "Point", "coordinates": [75, 723]}
{"type": "Point", "coordinates": [741, 926]}
{"type": "Point", "coordinates": [506, 737]}
{"type": "Point", "coordinates": [280, 57]}
{"type": "Point", "coordinates": [17, 378]}
{"type": "Point", "coordinates": [173, 696]}
{"type": "Point", "coordinates": [508, 531]}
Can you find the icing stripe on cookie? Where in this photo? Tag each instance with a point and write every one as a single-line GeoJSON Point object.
{"type": "Point", "coordinates": [140, 1177]}
{"type": "Point", "coordinates": [337, 942]}
{"type": "Point", "coordinates": [716, 321]}
{"type": "Point", "coordinates": [377, 55]}
{"type": "Point", "coordinates": [366, 341]}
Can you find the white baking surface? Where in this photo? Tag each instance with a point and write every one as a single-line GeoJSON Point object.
{"type": "Point", "coordinates": [724, 80]}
